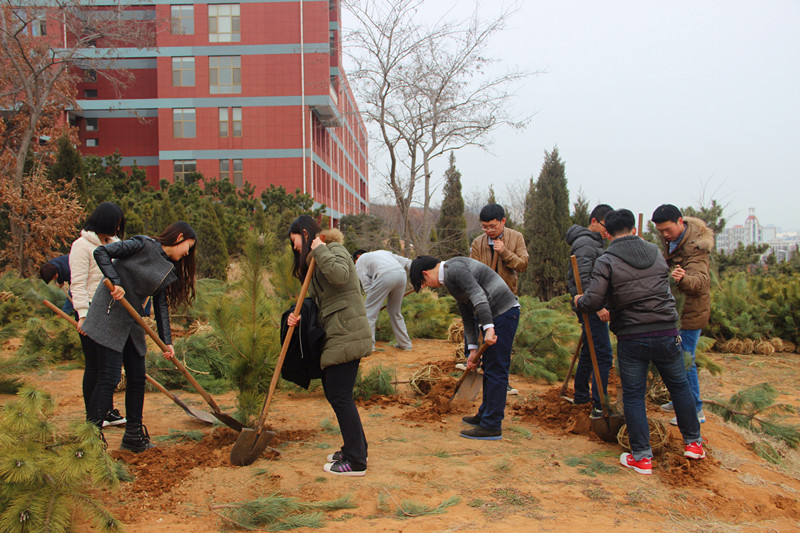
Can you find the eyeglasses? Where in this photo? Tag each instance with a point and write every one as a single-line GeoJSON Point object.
{"type": "Point", "coordinates": [490, 227]}
{"type": "Point", "coordinates": [604, 226]}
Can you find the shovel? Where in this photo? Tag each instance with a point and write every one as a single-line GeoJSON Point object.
{"type": "Point", "coordinates": [470, 383]}
{"type": "Point", "coordinates": [225, 418]}
{"type": "Point", "coordinates": [196, 413]}
{"type": "Point", "coordinates": [251, 442]}
{"type": "Point", "coordinates": [563, 392]}
{"type": "Point", "coordinates": [607, 427]}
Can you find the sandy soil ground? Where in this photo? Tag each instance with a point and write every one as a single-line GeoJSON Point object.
{"type": "Point", "coordinates": [548, 473]}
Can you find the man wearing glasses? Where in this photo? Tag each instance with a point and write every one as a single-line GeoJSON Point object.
{"type": "Point", "coordinates": [586, 244]}
{"type": "Point", "coordinates": [500, 248]}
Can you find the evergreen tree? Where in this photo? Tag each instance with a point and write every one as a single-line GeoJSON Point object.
{"type": "Point", "coordinates": [546, 222]}
{"type": "Point", "coordinates": [212, 253]}
{"type": "Point", "coordinates": [580, 210]}
{"type": "Point", "coordinates": [491, 199]}
{"type": "Point", "coordinates": [69, 163]}
{"type": "Point", "coordinates": [451, 228]}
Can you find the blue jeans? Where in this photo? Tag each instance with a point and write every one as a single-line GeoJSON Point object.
{"type": "Point", "coordinates": [635, 356]}
{"type": "Point", "coordinates": [496, 363]}
{"type": "Point", "coordinates": [689, 338]}
{"type": "Point", "coordinates": [605, 358]}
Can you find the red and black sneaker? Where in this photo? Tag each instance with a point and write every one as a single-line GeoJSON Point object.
{"type": "Point", "coordinates": [642, 466]}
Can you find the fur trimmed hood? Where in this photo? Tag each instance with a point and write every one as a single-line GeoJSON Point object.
{"type": "Point", "coordinates": [700, 233]}
{"type": "Point", "coordinates": [332, 235]}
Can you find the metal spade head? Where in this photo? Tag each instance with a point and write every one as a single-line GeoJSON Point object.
{"type": "Point", "coordinates": [250, 445]}
{"type": "Point", "coordinates": [607, 427]}
{"type": "Point", "coordinates": [469, 388]}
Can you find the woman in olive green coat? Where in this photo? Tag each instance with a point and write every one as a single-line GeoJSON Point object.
{"type": "Point", "coordinates": [336, 290]}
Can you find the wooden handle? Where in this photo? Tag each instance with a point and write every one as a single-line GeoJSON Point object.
{"type": "Point", "coordinates": [286, 341]}
{"type": "Point", "coordinates": [146, 327]}
{"type": "Point", "coordinates": [589, 340]}
{"type": "Point", "coordinates": [481, 349]}
{"type": "Point", "coordinates": [60, 313]}
{"type": "Point", "coordinates": [641, 224]}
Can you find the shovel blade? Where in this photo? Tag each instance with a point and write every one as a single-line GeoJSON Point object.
{"type": "Point", "coordinates": [229, 421]}
{"type": "Point", "coordinates": [469, 389]}
{"type": "Point", "coordinates": [249, 446]}
{"type": "Point", "coordinates": [607, 427]}
{"type": "Point", "coordinates": [203, 416]}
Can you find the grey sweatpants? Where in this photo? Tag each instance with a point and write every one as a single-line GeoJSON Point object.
{"type": "Point", "coordinates": [389, 286]}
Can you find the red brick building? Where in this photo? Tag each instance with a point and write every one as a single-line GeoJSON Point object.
{"type": "Point", "coordinates": [249, 90]}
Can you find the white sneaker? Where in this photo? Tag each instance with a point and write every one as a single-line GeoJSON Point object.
{"type": "Point", "coordinates": [701, 416]}
{"type": "Point", "coordinates": [667, 407]}
{"type": "Point", "coordinates": [461, 366]}
{"type": "Point", "coordinates": [511, 391]}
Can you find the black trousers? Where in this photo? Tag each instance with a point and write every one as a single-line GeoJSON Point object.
{"type": "Point", "coordinates": [338, 382]}
{"type": "Point", "coordinates": [109, 371]}
{"type": "Point", "coordinates": [91, 365]}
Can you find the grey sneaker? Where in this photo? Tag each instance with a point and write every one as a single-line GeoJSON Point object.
{"type": "Point", "coordinates": [461, 366]}
{"type": "Point", "coordinates": [668, 407]}
{"type": "Point", "coordinates": [701, 416]}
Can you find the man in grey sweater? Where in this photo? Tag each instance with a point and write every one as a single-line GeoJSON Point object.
{"type": "Point", "coordinates": [631, 279]}
{"type": "Point", "coordinates": [383, 277]}
{"type": "Point", "coordinates": [484, 300]}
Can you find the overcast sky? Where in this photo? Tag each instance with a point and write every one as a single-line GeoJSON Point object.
{"type": "Point", "coordinates": [647, 101]}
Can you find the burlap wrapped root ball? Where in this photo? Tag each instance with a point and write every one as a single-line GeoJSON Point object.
{"type": "Point", "coordinates": [459, 353]}
{"type": "Point", "coordinates": [425, 378]}
{"type": "Point", "coordinates": [748, 346]}
{"type": "Point", "coordinates": [789, 347]}
{"type": "Point", "coordinates": [765, 348]}
{"type": "Point", "coordinates": [455, 333]}
{"type": "Point", "coordinates": [777, 343]}
{"type": "Point", "coordinates": [658, 435]}
{"type": "Point", "coordinates": [734, 346]}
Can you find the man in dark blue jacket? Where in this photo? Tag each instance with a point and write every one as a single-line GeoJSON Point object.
{"type": "Point", "coordinates": [586, 244]}
{"type": "Point", "coordinates": [57, 270]}
{"type": "Point", "coordinates": [631, 279]}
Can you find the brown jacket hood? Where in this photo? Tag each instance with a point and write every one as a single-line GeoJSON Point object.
{"type": "Point", "coordinates": [700, 233]}
{"type": "Point", "coordinates": [332, 235]}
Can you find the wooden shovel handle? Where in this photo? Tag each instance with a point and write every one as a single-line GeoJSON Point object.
{"type": "Point", "coordinates": [153, 335]}
{"type": "Point", "coordinates": [60, 313]}
{"type": "Point", "coordinates": [481, 349]}
{"type": "Point", "coordinates": [285, 347]}
{"type": "Point", "coordinates": [589, 341]}
{"type": "Point", "coordinates": [641, 225]}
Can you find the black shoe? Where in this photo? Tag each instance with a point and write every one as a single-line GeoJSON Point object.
{"type": "Point", "coordinates": [136, 439]}
{"type": "Point", "coordinates": [472, 420]}
{"type": "Point", "coordinates": [337, 456]}
{"type": "Point", "coordinates": [480, 433]}
{"type": "Point", "coordinates": [113, 418]}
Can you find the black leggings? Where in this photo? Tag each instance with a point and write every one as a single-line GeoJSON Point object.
{"type": "Point", "coordinates": [338, 382]}
{"type": "Point", "coordinates": [109, 367]}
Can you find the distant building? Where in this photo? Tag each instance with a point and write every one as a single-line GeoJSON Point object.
{"type": "Point", "coordinates": [252, 91]}
{"type": "Point", "coordinates": [752, 232]}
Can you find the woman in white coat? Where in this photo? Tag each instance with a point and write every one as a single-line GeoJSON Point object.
{"type": "Point", "coordinates": [105, 225]}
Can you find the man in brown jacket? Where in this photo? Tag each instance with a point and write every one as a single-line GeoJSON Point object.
{"type": "Point", "coordinates": [687, 244]}
{"type": "Point", "coordinates": [500, 248]}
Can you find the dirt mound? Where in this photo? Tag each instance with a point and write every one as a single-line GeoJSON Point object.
{"type": "Point", "coordinates": [446, 366]}
{"type": "Point", "coordinates": [675, 469]}
{"type": "Point", "coordinates": [437, 403]}
{"type": "Point", "coordinates": [382, 401]}
{"type": "Point", "coordinates": [553, 412]}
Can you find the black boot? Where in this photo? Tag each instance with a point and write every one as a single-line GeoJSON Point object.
{"type": "Point", "coordinates": [136, 438]}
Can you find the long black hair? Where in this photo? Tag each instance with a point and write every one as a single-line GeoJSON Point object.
{"type": "Point", "coordinates": [108, 219]}
{"type": "Point", "coordinates": [182, 291]}
{"type": "Point", "coordinates": [307, 228]}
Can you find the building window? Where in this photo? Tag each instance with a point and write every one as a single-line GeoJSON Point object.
{"type": "Point", "coordinates": [224, 169]}
{"type": "Point", "coordinates": [90, 93]}
{"type": "Point", "coordinates": [182, 20]}
{"type": "Point", "coordinates": [237, 172]}
{"type": "Point", "coordinates": [92, 142]}
{"type": "Point", "coordinates": [91, 124]}
{"type": "Point", "coordinates": [237, 121]}
{"type": "Point", "coordinates": [223, 23]}
{"type": "Point", "coordinates": [183, 168]}
{"type": "Point", "coordinates": [223, 122]}
{"type": "Point", "coordinates": [183, 123]}
{"type": "Point", "coordinates": [225, 74]}
{"type": "Point", "coordinates": [183, 72]}
{"type": "Point", "coordinates": [39, 26]}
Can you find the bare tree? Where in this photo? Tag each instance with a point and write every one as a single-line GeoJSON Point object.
{"type": "Point", "coordinates": [425, 91]}
{"type": "Point", "coordinates": [47, 48]}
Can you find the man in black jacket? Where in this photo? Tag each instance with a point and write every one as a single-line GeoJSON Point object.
{"type": "Point", "coordinates": [632, 280]}
{"type": "Point", "coordinates": [586, 244]}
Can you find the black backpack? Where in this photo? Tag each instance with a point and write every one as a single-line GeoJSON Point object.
{"type": "Point", "coordinates": [301, 364]}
